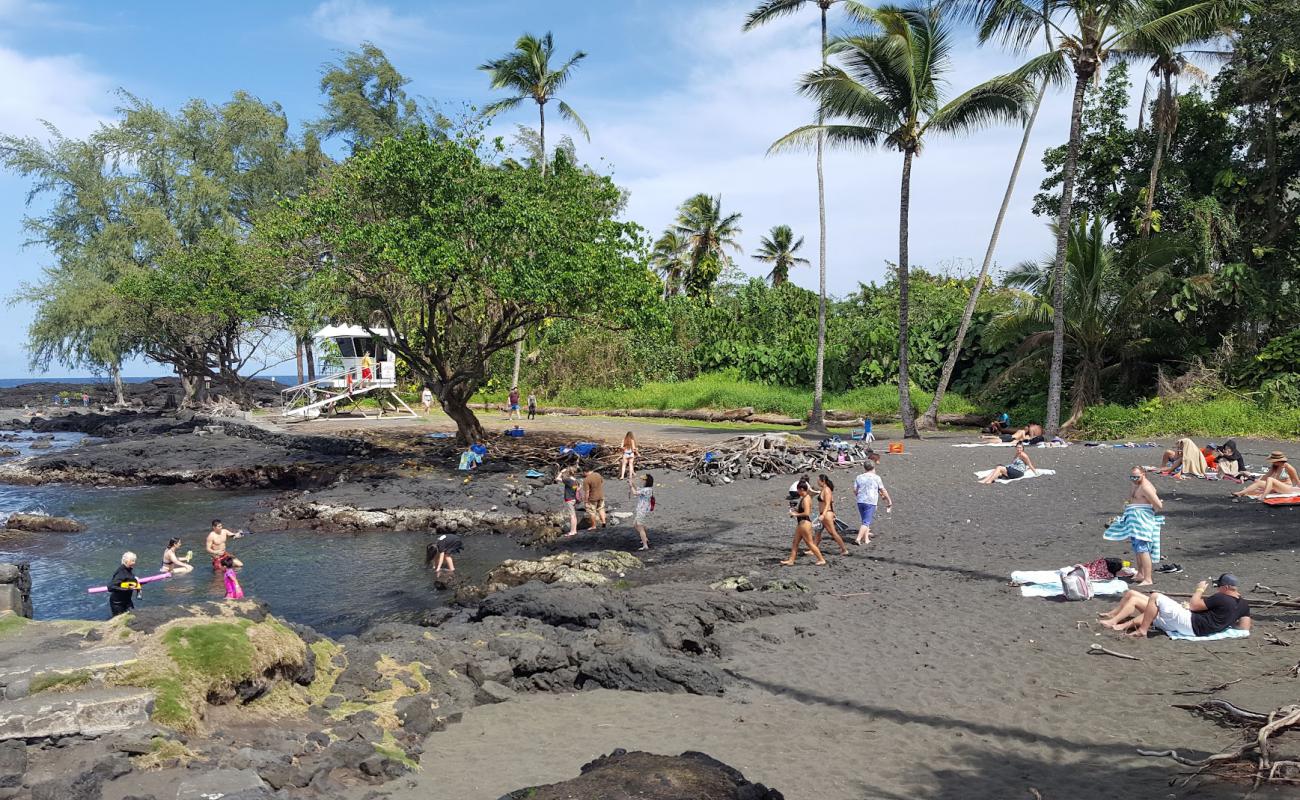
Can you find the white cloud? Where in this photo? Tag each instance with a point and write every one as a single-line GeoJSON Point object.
{"type": "Point", "coordinates": [736, 95]}
{"type": "Point", "coordinates": [62, 90]}
{"type": "Point", "coordinates": [350, 22]}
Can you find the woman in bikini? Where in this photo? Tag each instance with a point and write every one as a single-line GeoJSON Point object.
{"type": "Point", "coordinates": [1281, 478]}
{"type": "Point", "coordinates": [802, 514]}
{"type": "Point", "coordinates": [627, 467]}
{"type": "Point", "coordinates": [826, 495]}
{"type": "Point", "coordinates": [173, 563]}
{"type": "Point", "coordinates": [1013, 471]}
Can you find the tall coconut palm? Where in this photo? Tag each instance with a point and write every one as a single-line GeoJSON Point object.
{"type": "Point", "coordinates": [764, 13]}
{"type": "Point", "coordinates": [1168, 66]}
{"type": "Point", "coordinates": [670, 260]}
{"type": "Point", "coordinates": [708, 234]}
{"type": "Point", "coordinates": [888, 94]}
{"type": "Point", "coordinates": [1086, 32]}
{"type": "Point", "coordinates": [526, 70]}
{"type": "Point", "coordinates": [930, 419]}
{"type": "Point", "coordinates": [778, 249]}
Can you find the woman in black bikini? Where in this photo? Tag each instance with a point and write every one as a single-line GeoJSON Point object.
{"type": "Point", "coordinates": [826, 494]}
{"type": "Point", "coordinates": [802, 514]}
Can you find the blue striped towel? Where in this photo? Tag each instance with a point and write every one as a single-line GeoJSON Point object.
{"type": "Point", "coordinates": [1230, 633]}
{"type": "Point", "coordinates": [1139, 521]}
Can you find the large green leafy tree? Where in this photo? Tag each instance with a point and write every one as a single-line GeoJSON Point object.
{"type": "Point", "coordinates": [1085, 32]}
{"type": "Point", "coordinates": [889, 93]}
{"type": "Point", "coordinates": [780, 250]}
{"type": "Point", "coordinates": [366, 100]}
{"type": "Point", "coordinates": [766, 12]}
{"type": "Point", "coordinates": [459, 258]}
{"type": "Point", "coordinates": [708, 234]}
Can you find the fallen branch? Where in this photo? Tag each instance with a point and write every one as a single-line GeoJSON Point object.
{"type": "Point", "coordinates": [853, 594]}
{"type": "Point", "coordinates": [1095, 649]}
{"type": "Point", "coordinates": [1271, 639]}
{"type": "Point", "coordinates": [1252, 759]}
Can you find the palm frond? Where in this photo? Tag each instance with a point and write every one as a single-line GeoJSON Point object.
{"type": "Point", "coordinates": [771, 10]}
{"type": "Point", "coordinates": [1003, 99]}
{"type": "Point", "coordinates": [805, 137]}
{"type": "Point", "coordinates": [572, 116]}
{"type": "Point", "coordinates": [506, 104]}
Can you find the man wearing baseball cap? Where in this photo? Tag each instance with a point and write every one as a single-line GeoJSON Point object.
{"type": "Point", "coordinates": [1203, 616]}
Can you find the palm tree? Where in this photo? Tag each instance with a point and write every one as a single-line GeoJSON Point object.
{"type": "Point", "coordinates": [766, 12]}
{"type": "Point", "coordinates": [670, 260]}
{"type": "Point", "coordinates": [1108, 324]}
{"type": "Point", "coordinates": [708, 234]}
{"type": "Point", "coordinates": [778, 249]}
{"type": "Point", "coordinates": [1086, 32]}
{"type": "Point", "coordinates": [930, 419]}
{"type": "Point", "coordinates": [1168, 65]}
{"type": "Point", "coordinates": [526, 70]}
{"type": "Point", "coordinates": [888, 94]}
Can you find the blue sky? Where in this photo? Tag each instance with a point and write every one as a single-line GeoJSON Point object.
{"type": "Point", "coordinates": [677, 99]}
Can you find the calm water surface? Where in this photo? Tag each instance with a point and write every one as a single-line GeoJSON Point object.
{"type": "Point", "coordinates": [336, 583]}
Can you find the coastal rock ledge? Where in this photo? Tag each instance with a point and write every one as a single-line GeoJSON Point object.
{"type": "Point", "coordinates": [689, 776]}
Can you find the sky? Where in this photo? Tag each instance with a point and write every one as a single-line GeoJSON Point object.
{"type": "Point", "coordinates": [677, 99]}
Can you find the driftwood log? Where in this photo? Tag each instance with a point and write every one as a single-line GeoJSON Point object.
{"type": "Point", "coordinates": [1256, 759]}
{"type": "Point", "coordinates": [744, 414]}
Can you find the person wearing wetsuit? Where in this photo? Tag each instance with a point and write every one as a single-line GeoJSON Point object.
{"type": "Point", "coordinates": [123, 587]}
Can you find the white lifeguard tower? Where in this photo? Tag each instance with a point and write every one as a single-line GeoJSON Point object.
{"type": "Point", "coordinates": [369, 369]}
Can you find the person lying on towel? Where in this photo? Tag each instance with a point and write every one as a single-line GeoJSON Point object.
{"type": "Point", "coordinates": [1203, 616]}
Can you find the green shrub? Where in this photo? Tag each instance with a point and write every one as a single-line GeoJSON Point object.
{"type": "Point", "coordinates": [1220, 418]}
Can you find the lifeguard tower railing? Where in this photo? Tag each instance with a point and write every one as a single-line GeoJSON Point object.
{"type": "Point", "coordinates": [325, 394]}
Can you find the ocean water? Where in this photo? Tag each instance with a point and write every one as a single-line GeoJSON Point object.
{"type": "Point", "coordinates": [8, 383]}
{"type": "Point", "coordinates": [336, 583]}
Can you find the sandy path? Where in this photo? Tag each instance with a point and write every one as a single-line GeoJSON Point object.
{"type": "Point", "coordinates": [940, 683]}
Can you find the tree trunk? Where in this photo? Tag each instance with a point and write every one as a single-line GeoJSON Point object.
{"type": "Point", "coordinates": [817, 420]}
{"type": "Point", "coordinates": [1160, 126]}
{"type": "Point", "coordinates": [311, 360]}
{"type": "Point", "coordinates": [468, 429]}
{"type": "Point", "coordinates": [541, 134]}
{"type": "Point", "coordinates": [297, 356]}
{"type": "Point", "coordinates": [115, 372]}
{"type": "Point", "coordinates": [930, 420]}
{"type": "Point", "coordinates": [1052, 423]}
{"type": "Point", "coordinates": [188, 389]}
{"type": "Point", "coordinates": [904, 382]}
{"type": "Point", "coordinates": [519, 354]}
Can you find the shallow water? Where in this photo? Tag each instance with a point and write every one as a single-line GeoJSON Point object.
{"type": "Point", "coordinates": [337, 583]}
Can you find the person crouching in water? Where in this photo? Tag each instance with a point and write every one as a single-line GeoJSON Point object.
{"type": "Point", "coordinates": [1140, 524]}
{"type": "Point", "coordinates": [123, 587]}
{"type": "Point", "coordinates": [802, 513]}
{"type": "Point", "coordinates": [173, 563]}
{"type": "Point", "coordinates": [446, 546]}
{"type": "Point", "coordinates": [233, 590]}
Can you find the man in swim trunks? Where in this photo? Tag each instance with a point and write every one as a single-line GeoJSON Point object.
{"type": "Point", "coordinates": [216, 545]}
{"type": "Point", "coordinates": [1224, 609]}
{"type": "Point", "coordinates": [593, 490]}
{"type": "Point", "coordinates": [1140, 524]}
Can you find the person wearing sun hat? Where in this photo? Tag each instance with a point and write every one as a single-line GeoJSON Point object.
{"type": "Point", "coordinates": [1281, 479]}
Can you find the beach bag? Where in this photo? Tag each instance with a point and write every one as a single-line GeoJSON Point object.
{"type": "Point", "coordinates": [652, 503]}
{"type": "Point", "coordinates": [1074, 583]}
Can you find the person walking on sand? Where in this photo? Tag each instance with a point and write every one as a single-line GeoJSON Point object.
{"type": "Point", "coordinates": [426, 400]}
{"type": "Point", "coordinates": [826, 498]}
{"type": "Point", "coordinates": [173, 563]}
{"type": "Point", "coordinates": [216, 545]}
{"type": "Point", "coordinates": [802, 513]}
{"type": "Point", "coordinates": [572, 489]}
{"type": "Point", "coordinates": [868, 488]}
{"type": "Point", "coordinates": [1140, 524]}
{"type": "Point", "coordinates": [1138, 613]}
{"type": "Point", "coordinates": [123, 587]}
{"type": "Point", "coordinates": [628, 463]}
{"type": "Point", "coordinates": [514, 403]}
{"type": "Point", "coordinates": [645, 504]}
{"type": "Point", "coordinates": [1013, 471]}
{"type": "Point", "coordinates": [532, 404]}
{"type": "Point", "coordinates": [593, 493]}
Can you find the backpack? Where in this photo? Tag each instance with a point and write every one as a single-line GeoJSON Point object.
{"type": "Point", "coordinates": [1074, 583]}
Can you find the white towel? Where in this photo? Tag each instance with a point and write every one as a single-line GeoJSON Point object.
{"type": "Point", "coordinates": [1048, 590]}
{"type": "Point", "coordinates": [986, 444]}
{"type": "Point", "coordinates": [982, 474]}
{"type": "Point", "coordinates": [1230, 633]}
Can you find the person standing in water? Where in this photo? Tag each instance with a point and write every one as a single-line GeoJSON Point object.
{"type": "Point", "coordinates": [1140, 524]}
{"type": "Point", "coordinates": [802, 513]}
{"type": "Point", "coordinates": [645, 504]}
{"type": "Point", "coordinates": [826, 498]}
{"type": "Point", "coordinates": [446, 546]}
{"type": "Point", "coordinates": [216, 545]}
{"type": "Point", "coordinates": [123, 587]}
{"type": "Point", "coordinates": [233, 590]}
{"type": "Point", "coordinates": [628, 464]}
{"type": "Point", "coordinates": [173, 563]}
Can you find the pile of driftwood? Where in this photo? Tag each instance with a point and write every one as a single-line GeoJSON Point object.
{"type": "Point", "coordinates": [1262, 758]}
{"type": "Point", "coordinates": [763, 455]}
{"type": "Point", "coordinates": [545, 452]}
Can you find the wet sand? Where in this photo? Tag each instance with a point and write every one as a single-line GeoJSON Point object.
{"type": "Point", "coordinates": [922, 674]}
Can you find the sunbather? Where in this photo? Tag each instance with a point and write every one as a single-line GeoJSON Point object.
{"type": "Point", "coordinates": [1281, 478]}
{"type": "Point", "coordinates": [1228, 459]}
{"type": "Point", "coordinates": [1185, 458]}
{"type": "Point", "coordinates": [1226, 608]}
{"type": "Point", "coordinates": [1013, 471]}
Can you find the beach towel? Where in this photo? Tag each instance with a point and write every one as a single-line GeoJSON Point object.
{"type": "Point", "coordinates": [1111, 587]}
{"type": "Point", "coordinates": [986, 444]}
{"type": "Point", "coordinates": [1193, 458]}
{"type": "Point", "coordinates": [1230, 633]}
{"type": "Point", "coordinates": [1031, 473]}
{"type": "Point", "coordinates": [1139, 521]}
{"type": "Point", "coordinates": [1281, 500]}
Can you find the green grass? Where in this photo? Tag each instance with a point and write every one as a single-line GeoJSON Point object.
{"type": "Point", "coordinates": [11, 623]}
{"type": "Point", "coordinates": [217, 650]}
{"type": "Point", "coordinates": [723, 391]}
{"type": "Point", "coordinates": [1220, 418]}
{"type": "Point", "coordinates": [59, 681]}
